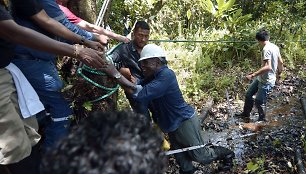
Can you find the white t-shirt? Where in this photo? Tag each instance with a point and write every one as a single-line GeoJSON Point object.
{"type": "Point", "coordinates": [270, 52]}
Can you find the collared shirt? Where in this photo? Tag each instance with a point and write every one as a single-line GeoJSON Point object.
{"type": "Point", "coordinates": [127, 56]}
{"type": "Point", "coordinates": [169, 108]}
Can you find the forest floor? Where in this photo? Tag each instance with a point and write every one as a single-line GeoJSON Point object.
{"type": "Point", "coordinates": [260, 147]}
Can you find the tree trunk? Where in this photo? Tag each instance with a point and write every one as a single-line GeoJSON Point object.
{"type": "Point", "coordinates": [82, 92]}
{"type": "Point", "coordinates": [85, 9]}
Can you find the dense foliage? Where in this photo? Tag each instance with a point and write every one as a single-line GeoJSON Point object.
{"type": "Point", "coordinates": [226, 29]}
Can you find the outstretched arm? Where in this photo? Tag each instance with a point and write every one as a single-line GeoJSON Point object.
{"type": "Point", "coordinates": [267, 67]}
{"type": "Point", "coordinates": [56, 28]}
{"type": "Point", "coordinates": [99, 30]}
{"type": "Point", "coordinates": [17, 34]}
{"type": "Point", "coordinates": [121, 79]}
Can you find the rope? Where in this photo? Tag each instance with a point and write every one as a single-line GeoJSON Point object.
{"type": "Point", "coordinates": [100, 73]}
{"type": "Point", "coordinates": [108, 58]}
{"type": "Point", "coordinates": [102, 12]}
{"type": "Point", "coordinates": [93, 71]}
{"type": "Point", "coordinates": [216, 41]}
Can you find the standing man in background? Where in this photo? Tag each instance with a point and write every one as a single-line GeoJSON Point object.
{"type": "Point", "coordinates": [264, 78]}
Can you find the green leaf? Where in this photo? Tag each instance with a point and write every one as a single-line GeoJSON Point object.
{"type": "Point", "coordinates": [228, 5]}
{"type": "Point", "coordinates": [188, 14]}
{"type": "Point", "coordinates": [208, 6]}
{"type": "Point", "coordinates": [87, 105]}
{"type": "Point", "coordinates": [220, 4]}
{"type": "Point", "coordinates": [252, 167]}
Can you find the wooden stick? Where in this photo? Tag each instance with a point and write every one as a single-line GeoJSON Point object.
{"type": "Point", "coordinates": [299, 161]}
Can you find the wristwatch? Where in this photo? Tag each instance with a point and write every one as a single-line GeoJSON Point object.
{"type": "Point", "coordinates": [117, 76]}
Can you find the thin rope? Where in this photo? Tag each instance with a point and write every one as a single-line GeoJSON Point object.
{"type": "Point", "coordinates": [221, 41]}
{"type": "Point", "coordinates": [102, 12]}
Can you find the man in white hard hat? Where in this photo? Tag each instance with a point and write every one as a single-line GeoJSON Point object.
{"type": "Point", "coordinates": [170, 111]}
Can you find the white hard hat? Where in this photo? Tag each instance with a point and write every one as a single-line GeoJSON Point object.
{"type": "Point", "coordinates": [151, 51]}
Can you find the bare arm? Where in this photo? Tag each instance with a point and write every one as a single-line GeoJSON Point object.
{"type": "Point", "coordinates": [56, 28]}
{"type": "Point", "coordinates": [267, 67]}
{"type": "Point", "coordinates": [21, 35]}
{"type": "Point", "coordinates": [126, 84]}
{"type": "Point", "coordinates": [99, 30]}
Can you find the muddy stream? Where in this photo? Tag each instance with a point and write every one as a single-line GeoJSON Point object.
{"type": "Point", "coordinates": [260, 147]}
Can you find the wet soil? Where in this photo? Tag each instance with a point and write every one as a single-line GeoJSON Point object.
{"type": "Point", "coordinates": [260, 147]}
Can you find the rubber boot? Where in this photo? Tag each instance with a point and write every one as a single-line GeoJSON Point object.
{"type": "Point", "coordinates": [29, 165]}
{"type": "Point", "coordinates": [224, 154]}
{"type": "Point", "coordinates": [247, 108]}
{"type": "Point", "coordinates": [261, 113]}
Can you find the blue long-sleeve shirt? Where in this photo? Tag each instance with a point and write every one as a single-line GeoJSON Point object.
{"type": "Point", "coordinates": [54, 11]}
{"type": "Point", "coordinates": [168, 105]}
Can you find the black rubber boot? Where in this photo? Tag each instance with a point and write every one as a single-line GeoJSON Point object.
{"type": "Point", "coordinates": [247, 108]}
{"type": "Point", "coordinates": [262, 116]}
{"type": "Point", "coordinates": [224, 154]}
{"type": "Point", "coordinates": [28, 165]}
{"type": "Point", "coordinates": [261, 111]}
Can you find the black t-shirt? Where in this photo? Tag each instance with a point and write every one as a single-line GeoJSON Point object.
{"type": "Point", "coordinates": [127, 56]}
{"type": "Point", "coordinates": [25, 8]}
{"type": "Point", "coordinates": [6, 48]}
{"type": "Point", "coordinates": [22, 9]}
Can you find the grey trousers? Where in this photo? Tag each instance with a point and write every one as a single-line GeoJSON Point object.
{"type": "Point", "coordinates": [189, 134]}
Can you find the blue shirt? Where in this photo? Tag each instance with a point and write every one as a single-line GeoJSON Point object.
{"type": "Point", "coordinates": [22, 11]}
{"type": "Point", "coordinates": [54, 11]}
{"type": "Point", "coordinates": [169, 108]}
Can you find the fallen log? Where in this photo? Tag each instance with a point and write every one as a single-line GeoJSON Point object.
{"type": "Point", "coordinates": [205, 110]}
{"type": "Point", "coordinates": [299, 161]}
{"type": "Point", "coordinates": [303, 103]}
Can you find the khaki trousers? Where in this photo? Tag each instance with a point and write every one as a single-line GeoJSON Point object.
{"type": "Point", "coordinates": [17, 135]}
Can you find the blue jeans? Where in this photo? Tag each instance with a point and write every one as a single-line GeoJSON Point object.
{"type": "Point", "coordinates": [44, 78]}
{"type": "Point", "coordinates": [261, 90]}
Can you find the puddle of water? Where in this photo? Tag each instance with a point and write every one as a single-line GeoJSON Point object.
{"type": "Point", "coordinates": [278, 115]}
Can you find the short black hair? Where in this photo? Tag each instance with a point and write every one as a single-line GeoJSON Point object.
{"type": "Point", "coordinates": [142, 25]}
{"type": "Point", "coordinates": [262, 35]}
{"type": "Point", "coordinates": [109, 143]}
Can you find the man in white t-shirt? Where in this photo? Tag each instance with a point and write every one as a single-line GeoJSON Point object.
{"type": "Point", "coordinates": [264, 78]}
